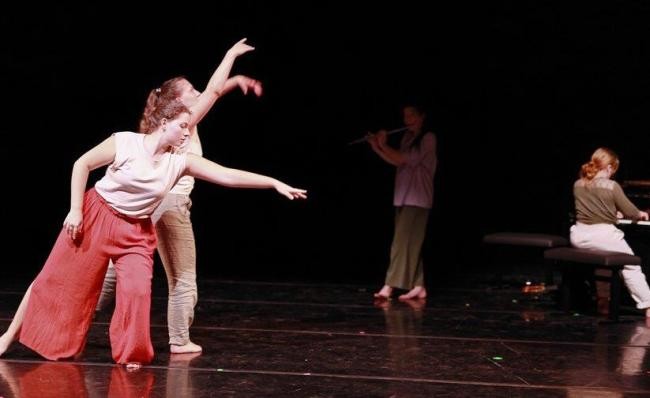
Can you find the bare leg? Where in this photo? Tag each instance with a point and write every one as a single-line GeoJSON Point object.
{"type": "Point", "coordinates": [417, 292]}
{"type": "Point", "coordinates": [12, 332]}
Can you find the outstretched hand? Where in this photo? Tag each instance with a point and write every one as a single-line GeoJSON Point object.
{"type": "Point", "coordinates": [290, 192]}
{"type": "Point", "coordinates": [246, 83]}
{"type": "Point", "coordinates": [240, 48]}
{"type": "Point", "coordinates": [73, 223]}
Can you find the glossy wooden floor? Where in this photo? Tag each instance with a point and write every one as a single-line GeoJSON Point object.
{"type": "Point", "coordinates": [261, 339]}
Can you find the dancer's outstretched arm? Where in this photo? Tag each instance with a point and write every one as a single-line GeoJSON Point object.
{"type": "Point", "coordinates": [212, 172]}
{"type": "Point", "coordinates": [215, 86]}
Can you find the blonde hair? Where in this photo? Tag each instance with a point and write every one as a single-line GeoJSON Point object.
{"type": "Point", "coordinates": [600, 159]}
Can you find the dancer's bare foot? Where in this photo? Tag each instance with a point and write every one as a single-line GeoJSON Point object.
{"type": "Point", "coordinates": [647, 317]}
{"type": "Point", "coordinates": [133, 366]}
{"type": "Point", "coordinates": [384, 293]}
{"type": "Point", "coordinates": [417, 292]}
{"type": "Point", "coordinates": [185, 349]}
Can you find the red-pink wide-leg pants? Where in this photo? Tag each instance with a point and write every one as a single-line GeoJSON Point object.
{"type": "Point", "coordinates": [65, 292]}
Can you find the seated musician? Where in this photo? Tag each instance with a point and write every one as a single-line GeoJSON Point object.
{"type": "Point", "coordinates": [597, 200]}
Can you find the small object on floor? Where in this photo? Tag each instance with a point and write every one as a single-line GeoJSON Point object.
{"type": "Point", "coordinates": [530, 287]}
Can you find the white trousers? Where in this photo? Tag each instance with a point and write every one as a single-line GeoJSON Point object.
{"type": "Point", "coordinates": [608, 237]}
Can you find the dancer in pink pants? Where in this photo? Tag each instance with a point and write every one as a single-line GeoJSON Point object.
{"type": "Point", "coordinates": [112, 222]}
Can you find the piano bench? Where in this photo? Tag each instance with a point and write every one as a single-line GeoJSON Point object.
{"type": "Point", "coordinates": [569, 258]}
{"type": "Point", "coordinates": [525, 239]}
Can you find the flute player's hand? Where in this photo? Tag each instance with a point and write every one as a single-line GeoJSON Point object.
{"type": "Point", "coordinates": [381, 137]}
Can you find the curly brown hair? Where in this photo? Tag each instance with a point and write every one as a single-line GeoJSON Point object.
{"type": "Point", "coordinates": [162, 103]}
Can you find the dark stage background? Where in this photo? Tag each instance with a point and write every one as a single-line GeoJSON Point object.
{"type": "Point", "coordinates": [519, 93]}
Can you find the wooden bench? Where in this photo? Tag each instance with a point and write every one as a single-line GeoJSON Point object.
{"type": "Point", "coordinates": [525, 239]}
{"type": "Point", "coordinates": [568, 257]}
{"type": "Point", "coordinates": [542, 241]}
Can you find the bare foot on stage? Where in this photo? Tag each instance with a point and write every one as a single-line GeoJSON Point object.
{"type": "Point", "coordinates": [185, 349]}
{"type": "Point", "coordinates": [417, 292]}
{"type": "Point", "coordinates": [133, 366]}
{"type": "Point", "coordinates": [384, 293]}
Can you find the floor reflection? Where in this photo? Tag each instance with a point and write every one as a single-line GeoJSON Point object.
{"type": "Point", "coordinates": [60, 379]}
{"type": "Point", "coordinates": [179, 376]}
{"type": "Point", "coordinates": [44, 380]}
{"type": "Point", "coordinates": [308, 340]}
{"type": "Point", "coordinates": [633, 360]}
{"type": "Point", "coordinates": [130, 384]}
{"type": "Point", "coordinates": [403, 321]}
{"type": "Point", "coordinates": [627, 360]}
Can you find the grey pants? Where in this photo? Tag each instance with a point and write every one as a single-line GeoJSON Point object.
{"type": "Point", "coordinates": [406, 268]}
{"type": "Point", "coordinates": [177, 250]}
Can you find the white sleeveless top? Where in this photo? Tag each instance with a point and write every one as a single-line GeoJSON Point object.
{"type": "Point", "coordinates": [185, 185]}
{"type": "Point", "coordinates": [135, 183]}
